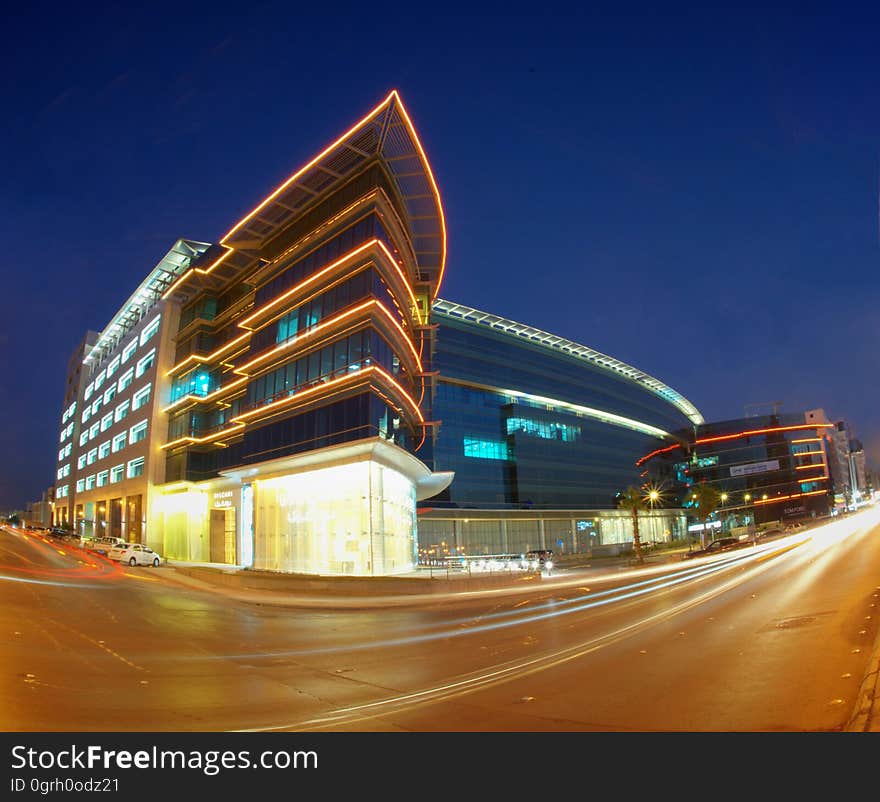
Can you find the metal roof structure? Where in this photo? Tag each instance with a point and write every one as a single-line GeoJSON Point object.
{"type": "Point", "coordinates": [151, 289]}
{"type": "Point", "coordinates": [387, 133]}
{"type": "Point", "coordinates": [556, 343]}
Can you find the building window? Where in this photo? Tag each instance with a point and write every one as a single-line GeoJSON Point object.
{"type": "Point", "coordinates": [89, 390]}
{"type": "Point", "coordinates": [81, 462]}
{"type": "Point", "coordinates": [104, 449]}
{"type": "Point", "coordinates": [485, 449]}
{"type": "Point", "coordinates": [90, 482]}
{"type": "Point", "coordinates": [122, 410]}
{"type": "Point", "coordinates": [83, 438]}
{"type": "Point", "coordinates": [106, 421]}
{"type": "Point", "coordinates": [67, 449]}
{"type": "Point", "coordinates": [80, 485]}
{"type": "Point", "coordinates": [109, 393]}
{"type": "Point", "coordinates": [87, 413]}
{"type": "Point", "coordinates": [119, 442]}
{"type": "Point", "coordinates": [100, 379]}
{"type": "Point", "coordinates": [116, 473]}
{"type": "Point", "coordinates": [141, 397]}
{"type": "Point", "coordinates": [145, 363]}
{"type": "Point", "coordinates": [150, 329]}
{"type": "Point", "coordinates": [93, 431]}
{"type": "Point", "coordinates": [93, 455]}
{"type": "Point", "coordinates": [129, 350]}
{"type": "Point", "coordinates": [125, 379]}
{"type": "Point", "coordinates": [137, 432]}
{"type": "Point", "coordinates": [96, 405]}
{"type": "Point", "coordinates": [113, 366]}
{"type": "Point", "coordinates": [102, 478]}
{"type": "Point", "coordinates": [136, 467]}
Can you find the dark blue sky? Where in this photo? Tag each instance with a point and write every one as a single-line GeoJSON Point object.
{"type": "Point", "coordinates": [690, 190]}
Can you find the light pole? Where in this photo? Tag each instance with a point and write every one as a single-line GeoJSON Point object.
{"type": "Point", "coordinates": [723, 519]}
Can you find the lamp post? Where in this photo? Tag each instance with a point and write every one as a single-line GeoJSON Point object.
{"type": "Point", "coordinates": [723, 499]}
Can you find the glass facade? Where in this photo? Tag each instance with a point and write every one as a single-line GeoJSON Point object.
{"type": "Point", "coordinates": [769, 468]}
{"type": "Point", "coordinates": [525, 426]}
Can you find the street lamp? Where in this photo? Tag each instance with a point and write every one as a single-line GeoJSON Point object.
{"type": "Point", "coordinates": [723, 499]}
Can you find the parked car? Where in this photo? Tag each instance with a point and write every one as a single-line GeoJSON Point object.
{"type": "Point", "coordinates": [135, 554]}
{"type": "Point", "coordinates": [717, 546]}
{"type": "Point", "coordinates": [101, 545]}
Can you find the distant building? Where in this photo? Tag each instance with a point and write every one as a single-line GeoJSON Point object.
{"type": "Point", "coordinates": [767, 468]}
{"type": "Point", "coordinates": [40, 513]}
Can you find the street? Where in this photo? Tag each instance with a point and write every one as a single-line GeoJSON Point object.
{"type": "Point", "coordinates": [775, 637]}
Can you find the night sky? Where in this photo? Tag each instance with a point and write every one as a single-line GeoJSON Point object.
{"type": "Point", "coordinates": [692, 191]}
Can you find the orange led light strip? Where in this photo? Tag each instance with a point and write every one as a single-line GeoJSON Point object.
{"type": "Point", "coordinates": [808, 440]}
{"type": "Point", "coordinates": [793, 495]}
{"type": "Point", "coordinates": [207, 438]}
{"type": "Point", "coordinates": [208, 397]}
{"type": "Point", "coordinates": [363, 372]}
{"type": "Point", "coordinates": [807, 467]}
{"type": "Point", "coordinates": [330, 322]}
{"type": "Point", "coordinates": [210, 357]}
{"type": "Point", "coordinates": [308, 166]}
{"type": "Point", "coordinates": [203, 270]}
{"type": "Point", "coordinates": [703, 440]}
{"type": "Point", "coordinates": [763, 431]}
{"type": "Point", "coordinates": [807, 453]}
{"type": "Point", "coordinates": [329, 268]}
{"type": "Point", "coordinates": [428, 170]}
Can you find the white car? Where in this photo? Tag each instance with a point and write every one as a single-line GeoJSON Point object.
{"type": "Point", "coordinates": [135, 554]}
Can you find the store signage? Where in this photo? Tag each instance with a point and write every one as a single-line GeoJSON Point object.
{"type": "Point", "coordinates": [754, 467]}
{"type": "Point", "coordinates": [222, 499]}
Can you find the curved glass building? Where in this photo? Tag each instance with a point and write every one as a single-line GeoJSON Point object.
{"type": "Point", "coordinates": [541, 433]}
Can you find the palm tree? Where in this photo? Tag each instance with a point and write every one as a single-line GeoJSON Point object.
{"type": "Point", "coordinates": [707, 499]}
{"type": "Point", "coordinates": [632, 499]}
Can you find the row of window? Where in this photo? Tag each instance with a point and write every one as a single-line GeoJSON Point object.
{"type": "Point", "coordinates": [124, 382]}
{"type": "Point", "coordinates": [68, 413]}
{"type": "Point", "coordinates": [134, 435]}
{"type": "Point", "coordinates": [117, 473]}
{"type": "Point", "coordinates": [138, 400]}
{"type": "Point", "coordinates": [142, 366]}
{"type": "Point", "coordinates": [66, 432]}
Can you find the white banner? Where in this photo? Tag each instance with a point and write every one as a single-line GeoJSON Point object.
{"type": "Point", "coordinates": [754, 467]}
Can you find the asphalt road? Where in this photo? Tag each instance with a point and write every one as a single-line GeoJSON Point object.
{"type": "Point", "coordinates": [774, 637]}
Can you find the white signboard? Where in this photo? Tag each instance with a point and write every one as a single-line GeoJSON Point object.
{"type": "Point", "coordinates": [754, 467]}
